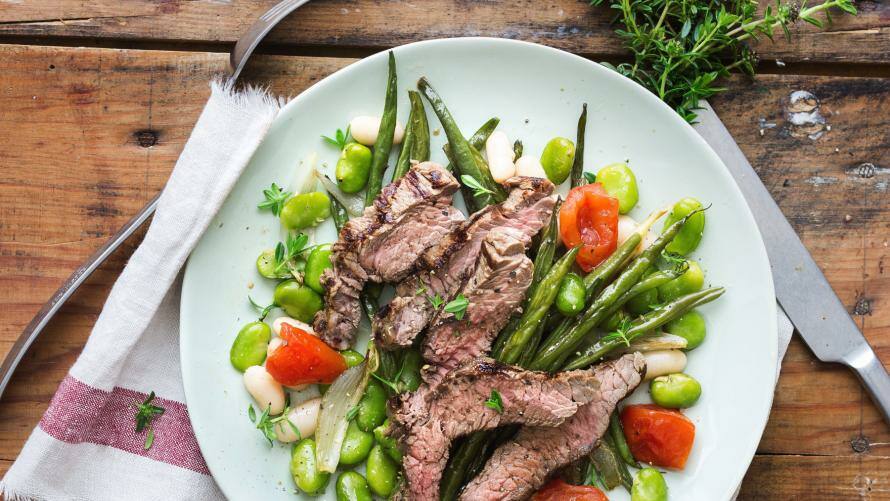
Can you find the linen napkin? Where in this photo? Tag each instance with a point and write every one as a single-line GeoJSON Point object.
{"type": "Point", "coordinates": [86, 447]}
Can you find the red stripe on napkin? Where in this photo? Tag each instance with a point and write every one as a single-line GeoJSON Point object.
{"type": "Point", "coordinates": [80, 413]}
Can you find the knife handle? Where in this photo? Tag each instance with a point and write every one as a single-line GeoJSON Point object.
{"type": "Point", "coordinates": [873, 375]}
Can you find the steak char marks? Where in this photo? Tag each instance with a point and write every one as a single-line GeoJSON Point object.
{"type": "Point", "coordinates": [452, 262]}
{"type": "Point", "coordinates": [456, 407]}
{"type": "Point", "coordinates": [384, 245]}
{"type": "Point", "coordinates": [522, 465]}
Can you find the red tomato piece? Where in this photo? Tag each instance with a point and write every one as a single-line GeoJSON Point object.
{"type": "Point", "coordinates": [589, 217]}
{"type": "Point", "coordinates": [558, 490]}
{"type": "Point", "coordinates": [659, 436]}
{"type": "Point", "coordinates": [303, 359]}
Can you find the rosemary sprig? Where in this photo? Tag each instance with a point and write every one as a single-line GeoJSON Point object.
{"type": "Point", "coordinates": [682, 47]}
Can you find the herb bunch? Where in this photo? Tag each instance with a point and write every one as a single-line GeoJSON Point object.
{"type": "Point", "coordinates": [682, 47]}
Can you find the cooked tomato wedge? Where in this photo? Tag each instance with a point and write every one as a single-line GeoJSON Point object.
{"type": "Point", "coordinates": [589, 217]}
{"type": "Point", "coordinates": [559, 490]}
{"type": "Point", "coordinates": [662, 437]}
{"type": "Point", "coordinates": [303, 359]}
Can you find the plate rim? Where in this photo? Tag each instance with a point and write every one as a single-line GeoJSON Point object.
{"type": "Point", "coordinates": [602, 72]}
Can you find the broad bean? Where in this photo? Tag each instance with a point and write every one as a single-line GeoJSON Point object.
{"type": "Point", "coordinates": [352, 358]}
{"type": "Point", "coordinates": [318, 261]}
{"type": "Point", "coordinates": [382, 472]}
{"type": "Point", "coordinates": [690, 235]}
{"type": "Point", "coordinates": [304, 468]}
{"type": "Point", "coordinates": [306, 210]}
{"type": "Point", "coordinates": [649, 485]}
{"type": "Point", "coordinates": [410, 377]}
{"type": "Point", "coordinates": [250, 345]}
{"type": "Point", "coordinates": [352, 486]}
{"type": "Point", "coordinates": [692, 280]}
{"type": "Point", "coordinates": [620, 182]}
{"type": "Point", "coordinates": [675, 391]}
{"type": "Point", "coordinates": [356, 445]}
{"type": "Point", "coordinates": [390, 444]}
{"type": "Point", "coordinates": [298, 301]}
{"type": "Point", "coordinates": [571, 295]}
{"type": "Point", "coordinates": [372, 407]}
{"type": "Point", "coordinates": [267, 267]}
{"type": "Point", "coordinates": [557, 159]}
{"type": "Point", "coordinates": [691, 327]}
{"type": "Point", "coordinates": [353, 168]}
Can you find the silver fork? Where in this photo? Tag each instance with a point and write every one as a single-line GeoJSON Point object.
{"type": "Point", "coordinates": [238, 58]}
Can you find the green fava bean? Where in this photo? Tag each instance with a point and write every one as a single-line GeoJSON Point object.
{"type": "Point", "coordinates": [382, 472]}
{"type": "Point", "coordinates": [690, 235]}
{"type": "Point", "coordinates": [352, 486]}
{"type": "Point", "coordinates": [675, 391]}
{"type": "Point", "coordinates": [620, 182]}
{"type": "Point", "coordinates": [318, 261]}
{"type": "Point", "coordinates": [571, 295]}
{"type": "Point", "coordinates": [691, 327]}
{"type": "Point", "coordinates": [410, 376]}
{"type": "Point", "coordinates": [372, 407]}
{"type": "Point", "coordinates": [306, 210]}
{"type": "Point", "coordinates": [250, 346]}
{"type": "Point", "coordinates": [304, 469]}
{"type": "Point", "coordinates": [352, 358]}
{"type": "Point", "coordinates": [267, 267]}
{"type": "Point", "coordinates": [356, 445]}
{"type": "Point", "coordinates": [557, 159]}
{"type": "Point", "coordinates": [692, 280]}
{"type": "Point", "coordinates": [298, 301]}
{"type": "Point", "coordinates": [353, 168]}
{"type": "Point", "coordinates": [390, 444]}
{"type": "Point", "coordinates": [649, 485]}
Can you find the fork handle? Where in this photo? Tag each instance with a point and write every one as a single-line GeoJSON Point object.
{"type": "Point", "coordinates": [257, 31]}
{"type": "Point", "coordinates": [33, 329]}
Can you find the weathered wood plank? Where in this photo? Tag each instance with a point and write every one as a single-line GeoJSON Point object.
{"type": "Point", "coordinates": [377, 24]}
{"type": "Point", "coordinates": [802, 478]}
{"type": "Point", "coordinates": [77, 169]}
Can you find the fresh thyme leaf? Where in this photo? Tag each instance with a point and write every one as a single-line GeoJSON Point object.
{"type": "Point", "coordinates": [458, 306]}
{"type": "Point", "coordinates": [494, 402]}
{"type": "Point", "coordinates": [421, 287]}
{"type": "Point", "coordinates": [146, 412]}
{"type": "Point", "coordinates": [251, 414]}
{"type": "Point", "coordinates": [680, 49]}
{"type": "Point", "coordinates": [263, 310]}
{"type": "Point", "coordinates": [352, 413]}
{"type": "Point", "coordinates": [149, 439]}
{"type": "Point", "coordinates": [266, 423]}
{"type": "Point", "coordinates": [620, 333]}
{"type": "Point", "coordinates": [590, 177]}
{"type": "Point", "coordinates": [478, 190]}
{"type": "Point", "coordinates": [436, 301]}
{"type": "Point", "coordinates": [389, 384]}
{"type": "Point", "coordinates": [275, 199]}
{"type": "Point", "coordinates": [340, 138]}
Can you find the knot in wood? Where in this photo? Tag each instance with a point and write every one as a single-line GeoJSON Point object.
{"type": "Point", "coordinates": [860, 445]}
{"type": "Point", "coordinates": [146, 137]}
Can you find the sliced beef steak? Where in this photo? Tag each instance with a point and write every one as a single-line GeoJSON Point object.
{"type": "Point", "coordinates": [495, 290]}
{"type": "Point", "coordinates": [456, 407]}
{"type": "Point", "coordinates": [523, 464]}
{"type": "Point", "coordinates": [451, 262]}
{"type": "Point", "coordinates": [384, 244]}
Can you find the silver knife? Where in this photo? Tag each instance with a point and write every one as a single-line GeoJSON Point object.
{"type": "Point", "coordinates": [801, 288]}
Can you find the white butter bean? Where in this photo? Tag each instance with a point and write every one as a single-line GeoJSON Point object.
{"type": "Point", "coordinates": [530, 166]}
{"type": "Point", "coordinates": [500, 156]}
{"type": "Point", "coordinates": [364, 130]}
{"type": "Point", "coordinates": [264, 389]}
{"type": "Point", "coordinates": [664, 362]}
{"type": "Point", "coordinates": [276, 325]}
{"type": "Point", "coordinates": [304, 417]}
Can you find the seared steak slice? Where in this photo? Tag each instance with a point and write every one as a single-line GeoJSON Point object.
{"type": "Point", "coordinates": [522, 465]}
{"type": "Point", "coordinates": [451, 262]}
{"type": "Point", "coordinates": [502, 275]}
{"type": "Point", "coordinates": [457, 407]}
{"type": "Point", "coordinates": [384, 244]}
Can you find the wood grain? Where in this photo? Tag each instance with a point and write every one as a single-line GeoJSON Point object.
{"type": "Point", "coordinates": [87, 135]}
{"type": "Point", "coordinates": [377, 24]}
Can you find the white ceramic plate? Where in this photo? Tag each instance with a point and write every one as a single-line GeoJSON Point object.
{"type": "Point", "coordinates": [537, 93]}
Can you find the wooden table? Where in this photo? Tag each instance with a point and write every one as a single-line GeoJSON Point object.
{"type": "Point", "coordinates": [97, 99]}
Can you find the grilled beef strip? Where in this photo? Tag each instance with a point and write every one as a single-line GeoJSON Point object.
{"type": "Point", "coordinates": [457, 406]}
{"type": "Point", "coordinates": [522, 465]}
{"type": "Point", "coordinates": [503, 273]}
{"type": "Point", "coordinates": [384, 244]}
{"type": "Point", "coordinates": [451, 262]}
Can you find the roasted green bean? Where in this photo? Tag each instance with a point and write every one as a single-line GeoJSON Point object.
{"type": "Point", "coordinates": [420, 149]}
{"type": "Point", "coordinates": [616, 432]}
{"type": "Point", "coordinates": [578, 164]}
{"type": "Point", "coordinates": [383, 145]}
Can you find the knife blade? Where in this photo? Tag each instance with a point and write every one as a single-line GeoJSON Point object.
{"type": "Point", "coordinates": [801, 288]}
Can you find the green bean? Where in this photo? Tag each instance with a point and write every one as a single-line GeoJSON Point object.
{"type": "Point", "coordinates": [465, 454]}
{"type": "Point", "coordinates": [649, 485]}
{"type": "Point", "coordinates": [356, 445]}
{"type": "Point", "coordinates": [578, 164]}
{"type": "Point", "coordinates": [409, 375]}
{"type": "Point", "coordinates": [639, 298]}
{"type": "Point", "coordinates": [606, 463]}
{"type": "Point", "coordinates": [250, 345]}
{"type": "Point", "coordinates": [390, 444]}
{"type": "Point", "coordinates": [461, 149]}
{"type": "Point", "coordinates": [477, 140]}
{"type": "Point", "coordinates": [385, 134]}
{"type": "Point", "coordinates": [372, 407]}
{"type": "Point", "coordinates": [623, 472]}
{"type": "Point", "coordinates": [352, 486]}
{"type": "Point", "coordinates": [647, 323]}
{"type": "Point", "coordinates": [382, 472]}
{"type": "Point", "coordinates": [544, 295]}
{"type": "Point", "coordinates": [616, 431]}
{"type": "Point", "coordinates": [605, 270]}
{"type": "Point", "coordinates": [339, 213]}
{"type": "Point", "coordinates": [304, 468]}
{"type": "Point", "coordinates": [420, 149]}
